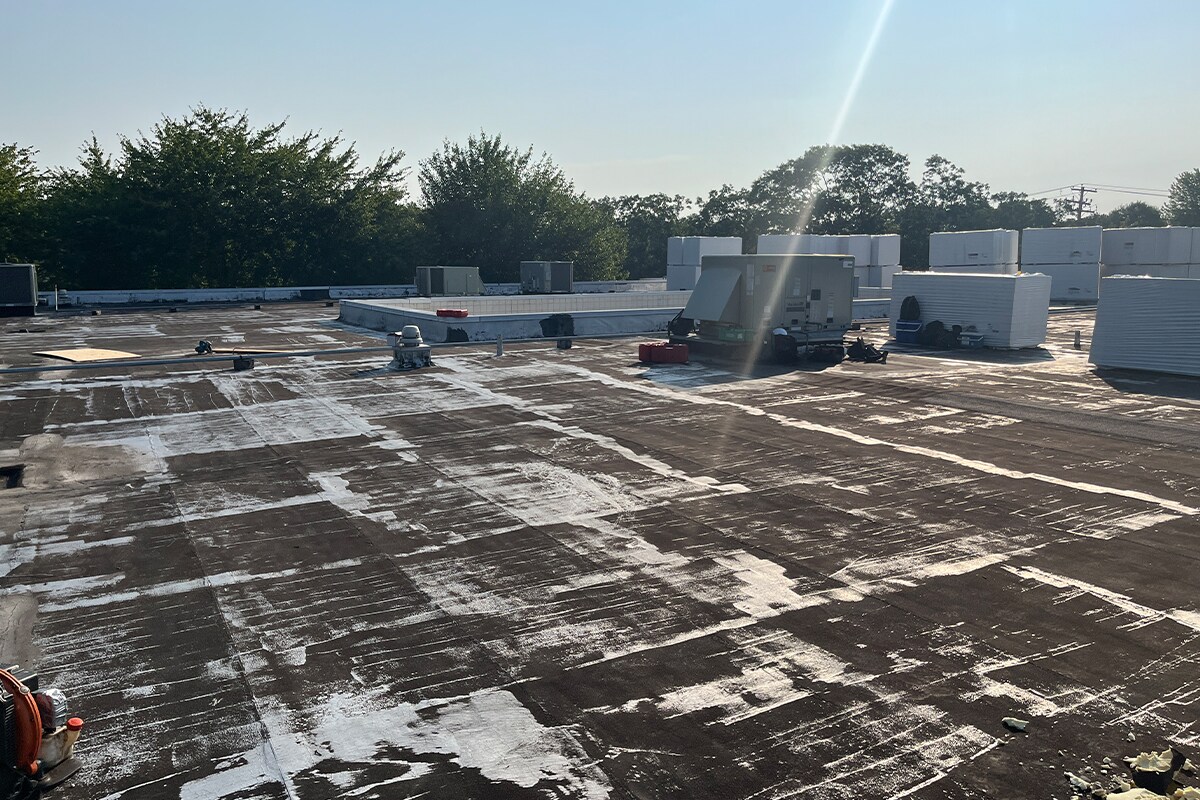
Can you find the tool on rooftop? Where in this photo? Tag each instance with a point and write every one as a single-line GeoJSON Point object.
{"type": "Point", "coordinates": [37, 739]}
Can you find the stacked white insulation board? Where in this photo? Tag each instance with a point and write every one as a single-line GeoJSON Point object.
{"type": "Point", "coordinates": [876, 257]}
{"type": "Point", "coordinates": [1150, 324]}
{"type": "Point", "coordinates": [1070, 256]}
{"type": "Point", "coordinates": [1158, 252]}
{"type": "Point", "coordinates": [684, 254]}
{"type": "Point", "coordinates": [992, 251]}
{"type": "Point", "coordinates": [1009, 311]}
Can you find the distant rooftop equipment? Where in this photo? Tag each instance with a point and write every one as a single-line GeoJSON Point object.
{"type": "Point", "coordinates": [1150, 324]}
{"type": "Point", "coordinates": [547, 277]}
{"type": "Point", "coordinates": [18, 290]}
{"type": "Point", "coordinates": [1008, 311]}
{"type": "Point", "coordinates": [741, 298]}
{"type": "Point", "coordinates": [448, 281]}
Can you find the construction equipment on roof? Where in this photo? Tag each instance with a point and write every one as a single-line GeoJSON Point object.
{"type": "Point", "coordinates": [37, 739]}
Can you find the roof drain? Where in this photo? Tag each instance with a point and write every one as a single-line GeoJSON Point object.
{"type": "Point", "coordinates": [10, 477]}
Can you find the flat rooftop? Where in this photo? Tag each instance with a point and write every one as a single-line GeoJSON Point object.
{"type": "Point", "coordinates": [560, 573]}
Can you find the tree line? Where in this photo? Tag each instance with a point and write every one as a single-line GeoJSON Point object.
{"type": "Point", "coordinates": [209, 200]}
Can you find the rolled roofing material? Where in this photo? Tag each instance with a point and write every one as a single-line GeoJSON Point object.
{"type": "Point", "coordinates": [1150, 324]}
{"type": "Point", "coordinates": [80, 354]}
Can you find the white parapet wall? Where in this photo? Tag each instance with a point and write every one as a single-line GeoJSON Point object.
{"type": "Point", "coordinates": [1150, 324]}
{"type": "Point", "coordinates": [269, 294]}
{"type": "Point", "coordinates": [1009, 311]}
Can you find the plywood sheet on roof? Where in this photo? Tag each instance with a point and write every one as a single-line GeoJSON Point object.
{"type": "Point", "coordinates": [80, 354]}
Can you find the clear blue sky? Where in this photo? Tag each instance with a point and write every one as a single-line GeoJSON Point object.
{"type": "Point", "coordinates": [638, 97]}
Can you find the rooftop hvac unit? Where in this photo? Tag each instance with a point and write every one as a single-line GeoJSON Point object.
{"type": "Point", "coordinates": [448, 281]}
{"type": "Point", "coordinates": [18, 290]}
{"type": "Point", "coordinates": [743, 296]}
{"type": "Point", "coordinates": [547, 277]}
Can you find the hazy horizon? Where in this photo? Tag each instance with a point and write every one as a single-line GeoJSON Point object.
{"type": "Point", "coordinates": [634, 99]}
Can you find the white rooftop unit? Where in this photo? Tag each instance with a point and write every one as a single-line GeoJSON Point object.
{"type": "Point", "coordinates": [1137, 246]}
{"type": "Point", "coordinates": [448, 281]}
{"type": "Point", "coordinates": [1149, 324]}
{"type": "Point", "coordinates": [1060, 246]}
{"type": "Point", "coordinates": [18, 290]}
{"type": "Point", "coordinates": [972, 248]}
{"type": "Point", "coordinates": [1009, 311]}
{"type": "Point", "coordinates": [547, 277]}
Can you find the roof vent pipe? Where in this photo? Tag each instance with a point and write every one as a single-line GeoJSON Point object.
{"type": "Point", "coordinates": [409, 350]}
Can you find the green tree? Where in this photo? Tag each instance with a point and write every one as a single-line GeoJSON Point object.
{"type": "Point", "coordinates": [866, 187]}
{"type": "Point", "coordinates": [1183, 203]}
{"type": "Point", "coordinates": [648, 220]}
{"type": "Point", "coordinates": [208, 200]}
{"type": "Point", "coordinates": [492, 206]}
{"type": "Point", "coordinates": [1016, 210]}
{"type": "Point", "coordinates": [21, 192]}
{"type": "Point", "coordinates": [725, 212]}
{"type": "Point", "coordinates": [1131, 215]}
{"type": "Point", "coordinates": [783, 199]}
{"type": "Point", "coordinates": [90, 246]}
{"type": "Point", "coordinates": [944, 201]}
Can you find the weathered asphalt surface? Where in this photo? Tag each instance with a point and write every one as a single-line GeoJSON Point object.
{"type": "Point", "coordinates": [563, 574]}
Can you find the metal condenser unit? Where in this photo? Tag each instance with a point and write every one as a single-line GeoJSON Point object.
{"type": "Point", "coordinates": [18, 290]}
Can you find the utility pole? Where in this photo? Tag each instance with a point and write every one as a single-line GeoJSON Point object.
{"type": "Point", "coordinates": [1082, 204]}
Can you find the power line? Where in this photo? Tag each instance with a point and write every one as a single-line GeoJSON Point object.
{"type": "Point", "coordinates": [1131, 191]}
{"type": "Point", "coordinates": [1130, 188]}
{"type": "Point", "coordinates": [1048, 191]}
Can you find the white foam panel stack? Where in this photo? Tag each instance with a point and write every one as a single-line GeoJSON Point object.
{"type": "Point", "coordinates": [993, 251]}
{"type": "Point", "coordinates": [1070, 256]}
{"type": "Point", "coordinates": [1156, 252]}
{"type": "Point", "coordinates": [684, 254]}
{"type": "Point", "coordinates": [1149, 324]}
{"type": "Point", "coordinates": [1010, 311]}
